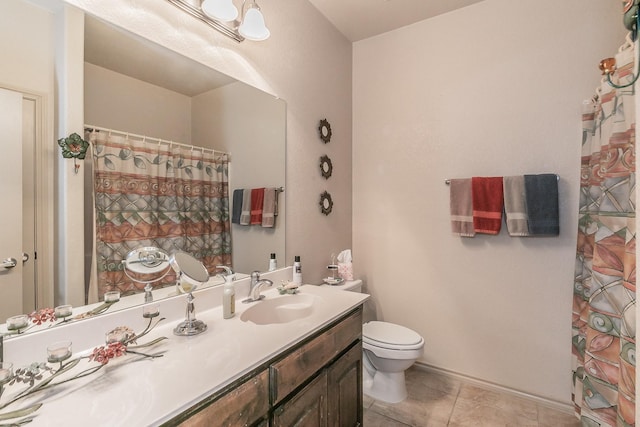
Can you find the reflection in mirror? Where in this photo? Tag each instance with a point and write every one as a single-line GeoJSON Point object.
{"type": "Point", "coordinates": [146, 265]}
{"type": "Point", "coordinates": [191, 274]}
{"type": "Point", "coordinates": [126, 92]}
{"type": "Point", "coordinates": [138, 87]}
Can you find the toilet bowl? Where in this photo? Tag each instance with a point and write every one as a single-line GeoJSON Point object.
{"type": "Point", "coordinates": [388, 351]}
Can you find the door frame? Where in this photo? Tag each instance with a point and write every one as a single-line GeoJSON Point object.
{"type": "Point", "coordinates": [43, 163]}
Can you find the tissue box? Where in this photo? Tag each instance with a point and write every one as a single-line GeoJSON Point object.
{"type": "Point", "coordinates": [345, 270]}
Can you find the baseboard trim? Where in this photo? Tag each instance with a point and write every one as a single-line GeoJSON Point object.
{"type": "Point", "coordinates": [550, 403]}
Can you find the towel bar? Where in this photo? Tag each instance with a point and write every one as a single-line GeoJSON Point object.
{"type": "Point", "coordinates": [448, 181]}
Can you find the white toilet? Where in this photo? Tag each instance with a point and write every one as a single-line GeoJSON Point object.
{"type": "Point", "coordinates": [389, 350]}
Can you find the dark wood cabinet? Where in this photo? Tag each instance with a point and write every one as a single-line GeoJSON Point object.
{"type": "Point", "coordinates": [307, 408]}
{"type": "Point", "coordinates": [344, 389]}
{"type": "Point", "coordinates": [245, 405]}
{"type": "Point", "coordinates": [315, 383]}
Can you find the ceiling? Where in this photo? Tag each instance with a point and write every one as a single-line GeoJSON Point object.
{"type": "Point", "coordinates": [360, 19]}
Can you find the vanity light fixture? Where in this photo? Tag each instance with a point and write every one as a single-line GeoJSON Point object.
{"type": "Point", "coordinates": [223, 15]}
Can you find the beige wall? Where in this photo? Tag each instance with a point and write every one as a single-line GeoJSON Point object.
{"type": "Point", "coordinates": [493, 89]}
{"type": "Point", "coordinates": [250, 125]}
{"type": "Point", "coordinates": [27, 65]}
{"type": "Point", "coordinates": [115, 101]}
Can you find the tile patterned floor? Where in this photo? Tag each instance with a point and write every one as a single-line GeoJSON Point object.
{"type": "Point", "coordinates": [437, 400]}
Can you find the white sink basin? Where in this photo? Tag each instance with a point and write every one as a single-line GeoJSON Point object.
{"type": "Point", "coordinates": [281, 309]}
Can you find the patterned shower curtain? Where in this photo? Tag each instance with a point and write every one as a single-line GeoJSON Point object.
{"type": "Point", "coordinates": [603, 344]}
{"type": "Point", "coordinates": [150, 194]}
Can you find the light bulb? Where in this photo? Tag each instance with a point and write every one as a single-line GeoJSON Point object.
{"type": "Point", "coordinates": [253, 27]}
{"type": "Point", "coordinates": [221, 10]}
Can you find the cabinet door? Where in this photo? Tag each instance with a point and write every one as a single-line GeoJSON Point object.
{"type": "Point", "coordinates": [307, 408]}
{"type": "Point", "coordinates": [344, 389]}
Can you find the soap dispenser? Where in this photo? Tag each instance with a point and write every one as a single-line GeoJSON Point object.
{"type": "Point", "coordinates": [228, 297]}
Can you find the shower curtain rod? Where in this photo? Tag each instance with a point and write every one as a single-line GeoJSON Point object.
{"type": "Point", "coordinates": [91, 128]}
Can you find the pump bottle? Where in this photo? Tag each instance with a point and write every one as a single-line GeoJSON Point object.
{"type": "Point", "coordinates": [228, 297]}
{"type": "Point", "coordinates": [297, 270]}
{"type": "Point", "coordinates": [272, 262]}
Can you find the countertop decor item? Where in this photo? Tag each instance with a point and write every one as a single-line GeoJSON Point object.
{"type": "Point", "coordinates": [73, 147]}
{"type": "Point", "coordinates": [39, 376]}
{"type": "Point", "coordinates": [325, 131]}
{"type": "Point", "coordinates": [326, 203]}
{"type": "Point", "coordinates": [326, 167]}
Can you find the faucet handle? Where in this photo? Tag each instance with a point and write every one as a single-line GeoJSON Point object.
{"type": "Point", "coordinates": [255, 276]}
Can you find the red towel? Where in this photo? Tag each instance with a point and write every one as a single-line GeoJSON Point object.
{"type": "Point", "coordinates": [257, 200]}
{"type": "Point", "coordinates": [487, 195]}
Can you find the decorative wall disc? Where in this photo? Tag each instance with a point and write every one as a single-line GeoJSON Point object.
{"type": "Point", "coordinates": [326, 167]}
{"type": "Point", "coordinates": [326, 203]}
{"type": "Point", "coordinates": [325, 131]}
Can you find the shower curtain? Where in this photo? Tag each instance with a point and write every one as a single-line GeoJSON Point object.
{"type": "Point", "coordinates": [151, 194]}
{"type": "Point", "coordinates": [603, 343]}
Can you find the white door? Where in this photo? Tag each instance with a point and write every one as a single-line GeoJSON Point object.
{"type": "Point", "coordinates": [10, 204]}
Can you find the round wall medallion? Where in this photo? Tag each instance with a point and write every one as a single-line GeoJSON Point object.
{"type": "Point", "coordinates": [326, 203]}
{"type": "Point", "coordinates": [326, 167]}
{"type": "Point", "coordinates": [325, 131]}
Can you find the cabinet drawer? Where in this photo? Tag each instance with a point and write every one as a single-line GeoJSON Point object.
{"type": "Point", "coordinates": [301, 364]}
{"type": "Point", "coordinates": [307, 408]}
{"type": "Point", "coordinates": [242, 406]}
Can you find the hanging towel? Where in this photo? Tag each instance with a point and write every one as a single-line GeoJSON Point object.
{"type": "Point", "coordinates": [269, 207]}
{"type": "Point", "coordinates": [257, 201]}
{"type": "Point", "coordinates": [245, 214]}
{"type": "Point", "coordinates": [237, 206]}
{"type": "Point", "coordinates": [542, 204]}
{"type": "Point", "coordinates": [487, 198]}
{"type": "Point", "coordinates": [515, 206]}
{"type": "Point", "coordinates": [461, 208]}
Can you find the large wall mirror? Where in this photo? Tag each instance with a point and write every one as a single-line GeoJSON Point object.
{"type": "Point", "coordinates": [134, 86]}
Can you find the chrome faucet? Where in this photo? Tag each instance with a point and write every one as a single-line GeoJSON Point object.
{"type": "Point", "coordinates": [227, 272]}
{"type": "Point", "coordinates": [256, 286]}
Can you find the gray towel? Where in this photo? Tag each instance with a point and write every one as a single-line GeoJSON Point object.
{"type": "Point", "coordinates": [542, 204]}
{"type": "Point", "coordinates": [237, 206]}
{"type": "Point", "coordinates": [245, 214]}
{"type": "Point", "coordinates": [515, 206]}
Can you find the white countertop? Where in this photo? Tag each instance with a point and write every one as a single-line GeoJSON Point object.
{"type": "Point", "coordinates": [130, 391]}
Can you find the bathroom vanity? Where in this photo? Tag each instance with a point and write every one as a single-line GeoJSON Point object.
{"type": "Point", "coordinates": [304, 362]}
{"type": "Point", "coordinates": [317, 382]}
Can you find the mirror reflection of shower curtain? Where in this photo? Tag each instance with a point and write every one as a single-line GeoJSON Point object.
{"type": "Point", "coordinates": [604, 300]}
{"type": "Point", "coordinates": [155, 194]}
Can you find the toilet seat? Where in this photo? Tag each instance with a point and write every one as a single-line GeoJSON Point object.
{"type": "Point", "coordinates": [391, 336]}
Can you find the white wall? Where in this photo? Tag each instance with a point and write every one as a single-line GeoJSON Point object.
{"type": "Point", "coordinates": [493, 89]}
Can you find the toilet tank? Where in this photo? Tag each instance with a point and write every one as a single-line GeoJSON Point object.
{"type": "Point", "coordinates": [350, 285]}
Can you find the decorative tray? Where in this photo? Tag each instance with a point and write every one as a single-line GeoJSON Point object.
{"type": "Point", "coordinates": [333, 281]}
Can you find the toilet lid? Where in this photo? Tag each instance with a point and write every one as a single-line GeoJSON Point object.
{"type": "Point", "coordinates": [390, 333]}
